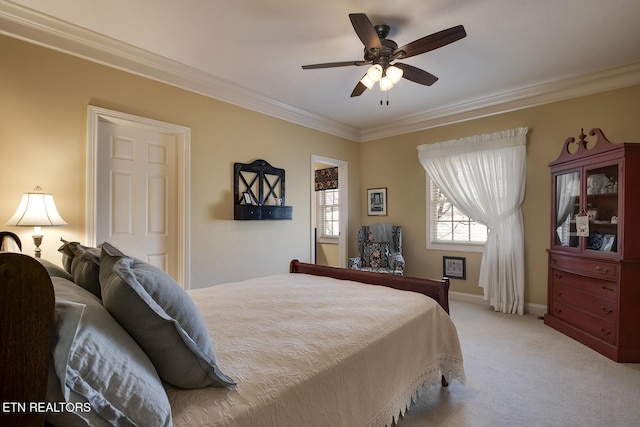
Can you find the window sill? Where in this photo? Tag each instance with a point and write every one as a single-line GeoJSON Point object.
{"type": "Point", "coordinates": [457, 247]}
{"type": "Point", "coordinates": [328, 240]}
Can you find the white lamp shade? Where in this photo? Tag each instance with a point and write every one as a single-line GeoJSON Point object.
{"type": "Point", "coordinates": [36, 210]}
{"type": "Point", "coordinates": [375, 72]}
{"type": "Point", "coordinates": [394, 74]}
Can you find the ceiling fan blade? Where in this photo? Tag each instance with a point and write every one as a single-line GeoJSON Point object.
{"type": "Point", "coordinates": [431, 42]}
{"type": "Point", "coordinates": [416, 74]}
{"type": "Point", "coordinates": [365, 31]}
{"type": "Point", "coordinates": [333, 64]}
{"type": "Point", "coordinates": [358, 90]}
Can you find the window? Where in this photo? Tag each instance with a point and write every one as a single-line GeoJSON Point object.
{"type": "Point", "coordinates": [448, 228]}
{"type": "Point", "coordinates": [328, 203]}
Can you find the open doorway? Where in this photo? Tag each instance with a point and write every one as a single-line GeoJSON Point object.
{"type": "Point", "coordinates": [329, 211]}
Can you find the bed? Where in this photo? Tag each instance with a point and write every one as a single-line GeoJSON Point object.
{"type": "Point", "coordinates": [317, 346]}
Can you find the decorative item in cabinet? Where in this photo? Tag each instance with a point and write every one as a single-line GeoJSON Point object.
{"type": "Point", "coordinates": [594, 254]}
{"type": "Point", "coordinates": [258, 190]}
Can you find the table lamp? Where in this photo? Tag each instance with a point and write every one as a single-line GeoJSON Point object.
{"type": "Point", "coordinates": [36, 209]}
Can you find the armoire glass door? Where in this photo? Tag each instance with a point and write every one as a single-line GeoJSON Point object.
{"type": "Point", "coordinates": [566, 208]}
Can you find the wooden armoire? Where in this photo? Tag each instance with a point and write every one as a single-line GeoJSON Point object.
{"type": "Point", "coordinates": [594, 253]}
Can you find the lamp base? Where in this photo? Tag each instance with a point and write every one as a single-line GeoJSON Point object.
{"type": "Point", "coordinates": [37, 240]}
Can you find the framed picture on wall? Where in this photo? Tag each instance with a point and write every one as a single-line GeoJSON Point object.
{"type": "Point", "coordinates": [454, 267]}
{"type": "Point", "coordinates": [377, 201]}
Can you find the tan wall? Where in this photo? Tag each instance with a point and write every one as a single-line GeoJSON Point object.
{"type": "Point", "coordinates": [393, 163]}
{"type": "Point", "coordinates": [43, 113]}
{"type": "Point", "coordinates": [327, 254]}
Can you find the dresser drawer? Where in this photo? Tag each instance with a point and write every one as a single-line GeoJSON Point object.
{"type": "Point", "coordinates": [598, 307]}
{"type": "Point", "coordinates": [600, 288]}
{"type": "Point", "coordinates": [594, 268]}
{"type": "Point", "coordinates": [595, 326]}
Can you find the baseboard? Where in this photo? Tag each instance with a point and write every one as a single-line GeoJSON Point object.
{"type": "Point", "coordinates": [465, 297]}
{"type": "Point", "coordinates": [534, 309]}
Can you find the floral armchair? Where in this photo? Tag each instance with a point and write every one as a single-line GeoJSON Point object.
{"type": "Point", "coordinates": [380, 248]}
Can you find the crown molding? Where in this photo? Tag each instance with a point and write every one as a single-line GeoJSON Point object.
{"type": "Point", "coordinates": [28, 25]}
{"type": "Point", "coordinates": [532, 96]}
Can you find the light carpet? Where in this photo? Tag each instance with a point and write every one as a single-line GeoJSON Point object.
{"type": "Point", "coordinates": [521, 372]}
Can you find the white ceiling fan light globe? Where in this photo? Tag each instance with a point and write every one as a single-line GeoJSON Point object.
{"type": "Point", "coordinates": [394, 73]}
{"type": "Point", "coordinates": [367, 82]}
{"type": "Point", "coordinates": [385, 83]}
{"type": "Point", "coordinates": [375, 72]}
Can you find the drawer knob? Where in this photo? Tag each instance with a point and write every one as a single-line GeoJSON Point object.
{"type": "Point", "coordinates": [557, 310]}
{"type": "Point", "coordinates": [607, 311]}
{"type": "Point", "coordinates": [605, 332]}
{"type": "Point", "coordinates": [554, 260]}
{"type": "Point", "coordinates": [602, 270]}
{"type": "Point", "coordinates": [559, 275]}
{"type": "Point", "coordinates": [557, 293]}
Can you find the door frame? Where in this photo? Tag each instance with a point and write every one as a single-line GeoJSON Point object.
{"type": "Point", "coordinates": [183, 137]}
{"type": "Point", "coordinates": [343, 185]}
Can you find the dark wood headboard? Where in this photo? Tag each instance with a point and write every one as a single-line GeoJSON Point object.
{"type": "Point", "coordinates": [14, 236]}
{"type": "Point", "coordinates": [26, 327]}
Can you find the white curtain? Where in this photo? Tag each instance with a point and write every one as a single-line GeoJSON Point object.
{"type": "Point", "coordinates": [567, 190]}
{"type": "Point", "coordinates": [484, 176]}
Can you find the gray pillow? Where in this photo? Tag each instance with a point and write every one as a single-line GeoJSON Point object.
{"type": "Point", "coordinates": [84, 265]}
{"type": "Point", "coordinates": [55, 270]}
{"type": "Point", "coordinates": [162, 318]}
{"type": "Point", "coordinates": [67, 255]}
{"type": "Point", "coordinates": [97, 363]}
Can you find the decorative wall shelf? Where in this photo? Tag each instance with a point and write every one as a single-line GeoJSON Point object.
{"type": "Point", "coordinates": [258, 190]}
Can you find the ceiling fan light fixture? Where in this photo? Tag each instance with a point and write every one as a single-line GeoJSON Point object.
{"type": "Point", "coordinates": [385, 83]}
{"type": "Point", "coordinates": [375, 72]}
{"type": "Point", "coordinates": [394, 74]}
{"type": "Point", "coordinates": [379, 52]}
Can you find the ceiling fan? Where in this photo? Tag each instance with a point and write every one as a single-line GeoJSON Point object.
{"type": "Point", "coordinates": [380, 53]}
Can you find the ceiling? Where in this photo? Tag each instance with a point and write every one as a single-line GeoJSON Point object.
{"type": "Point", "coordinates": [249, 53]}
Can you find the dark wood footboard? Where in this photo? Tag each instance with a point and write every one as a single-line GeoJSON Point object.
{"type": "Point", "coordinates": [436, 289]}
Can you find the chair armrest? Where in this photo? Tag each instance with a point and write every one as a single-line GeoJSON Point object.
{"type": "Point", "coordinates": [355, 263]}
{"type": "Point", "coordinates": [396, 261]}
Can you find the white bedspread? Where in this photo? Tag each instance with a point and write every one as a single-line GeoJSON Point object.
{"type": "Point", "coordinates": [314, 351]}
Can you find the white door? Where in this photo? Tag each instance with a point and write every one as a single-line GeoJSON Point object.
{"type": "Point", "coordinates": [136, 204]}
{"type": "Point", "coordinates": [138, 188]}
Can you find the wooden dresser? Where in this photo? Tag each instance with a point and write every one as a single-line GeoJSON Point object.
{"type": "Point", "coordinates": [594, 255]}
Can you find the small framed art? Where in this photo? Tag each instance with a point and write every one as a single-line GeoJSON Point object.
{"type": "Point", "coordinates": [454, 267]}
{"type": "Point", "coordinates": [377, 201]}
